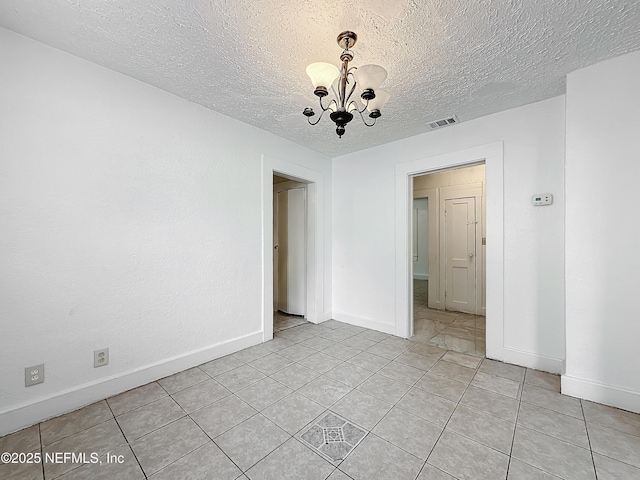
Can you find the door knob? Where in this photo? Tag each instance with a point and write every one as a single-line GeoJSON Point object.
{"type": "Point", "coordinates": [275, 247]}
{"type": "Point", "coordinates": [470, 256]}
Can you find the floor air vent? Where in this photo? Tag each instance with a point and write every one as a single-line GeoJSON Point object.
{"type": "Point", "coordinates": [444, 122]}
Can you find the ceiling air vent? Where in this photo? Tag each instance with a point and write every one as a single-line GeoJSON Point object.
{"type": "Point", "coordinates": [444, 122]}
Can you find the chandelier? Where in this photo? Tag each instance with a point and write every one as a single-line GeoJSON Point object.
{"type": "Point", "coordinates": [343, 84]}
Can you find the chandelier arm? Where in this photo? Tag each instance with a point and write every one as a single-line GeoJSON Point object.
{"type": "Point", "coordinates": [353, 102]}
{"type": "Point", "coordinates": [366, 105]}
{"type": "Point", "coordinates": [338, 94]}
{"type": "Point", "coordinates": [335, 95]}
{"type": "Point", "coordinates": [319, 118]}
{"type": "Point", "coordinates": [328, 106]}
{"type": "Point", "coordinates": [365, 122]}
{"type": "Point", "coordinates": [353, 87]}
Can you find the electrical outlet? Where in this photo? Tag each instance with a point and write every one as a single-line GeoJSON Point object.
{"type": "Point", "coordinates": [34, 375]}
{"type": "Point", "coordinates": [100, 357]}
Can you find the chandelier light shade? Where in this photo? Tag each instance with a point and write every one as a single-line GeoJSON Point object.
{"type": "Point", "coordinates": [375, 105]}
{"type": "Point", "coordinates": [343, 82]}
{"type": "Point", "coordinates": [370, 77]}
{"type": "Point", "coordinates": [322, 74]}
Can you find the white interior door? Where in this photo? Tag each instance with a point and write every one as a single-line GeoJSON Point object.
{"type": "Point", "coordinates": [279, 261]}
{"type": "Point", "coordinates": [460, 254]}
{"type": "Point", "coordinates": [421, 239]}
{"type": "Point", "coordinates": [291, 254]}
{"type": "Point", "coordinates": [296, 257]}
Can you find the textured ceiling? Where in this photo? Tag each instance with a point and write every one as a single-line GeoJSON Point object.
{"type": "Point", "coordinates": [247, 58]}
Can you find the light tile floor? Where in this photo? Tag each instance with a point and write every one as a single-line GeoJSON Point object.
{"type": "Point", "coordinates": [456, 331]}
{"type": "Point", "coordinates": [428, 414]}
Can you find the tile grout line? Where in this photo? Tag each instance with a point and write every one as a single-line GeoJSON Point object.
{"type": "Point", "coordinates": [553, 437]}
{"type": "Point", "coordinates": [521, 401]}
{"type": "Point", "coordinates": [72, 434]}
{"type": "Point", "coordinates": [188, 453]}
{"type": "Point", "coordinates": [127, 440]}
{"type": "Point", "coordinates": [593, 461]}
{"type": "Point", "coordinates": [41, 449]}
{"type": "Point", "coordinates": [515, 427]}
{"type": "Point", "coordinates": [448, 420]}
{"type": "Point", "coordinates": [186, 415]}
{"type": "Point", "coordinates": [262, 458]}
{"type": "Point", "coordinates": [75, 433]}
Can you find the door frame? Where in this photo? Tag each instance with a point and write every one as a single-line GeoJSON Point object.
{"type": "Point", "coordinates": [493, 156]}
{"type": "Point", "coordinates": [315, 239]}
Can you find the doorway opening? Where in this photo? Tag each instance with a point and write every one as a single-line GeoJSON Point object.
{"type": "Point", "coordinates": [448, 273]}
{"type": "Point", "coordinates": [316, 283]}
{"type": "Point", "coordinates": [289, 252]}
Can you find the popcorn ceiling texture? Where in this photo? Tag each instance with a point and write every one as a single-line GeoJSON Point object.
{"type": "Point", "coordinates": [247, 58]}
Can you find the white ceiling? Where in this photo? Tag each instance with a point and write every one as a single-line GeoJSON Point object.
{"type": "Point", "coordinates": [247, 58]}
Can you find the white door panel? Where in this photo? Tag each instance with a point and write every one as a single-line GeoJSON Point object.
{"type": "Point", "coordinates": [281, 251]}
{"type": "Point", "coordinates": [296, 261]}
{"type": "Point", "coordinates": [290, 251]}
{"type": "Point", "coordinates": [460, 254]}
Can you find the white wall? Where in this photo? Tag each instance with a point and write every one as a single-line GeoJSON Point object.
{"type": "Point", "coordinates": [603, 234]}
{"type": "Point", "coordinates": [364, 201]}
{"type": "Point", "coordinates": [130, 219]}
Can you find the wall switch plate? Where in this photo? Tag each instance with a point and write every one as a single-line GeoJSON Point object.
{"type": "Point", "coordinates": [542, 199]}
{"type": "Point", "coordinates": [100, 357]}
{"type": "Point", "coordinates": [34, 375]}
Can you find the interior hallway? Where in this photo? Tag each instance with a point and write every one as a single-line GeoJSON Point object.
{"type": "Point", "coordinates": [293, 407]}
{"type": "Point", "coordinates": [460, 332]}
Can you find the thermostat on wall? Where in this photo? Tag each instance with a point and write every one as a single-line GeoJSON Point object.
{"type": "Point", "coordinates": [544, 199]}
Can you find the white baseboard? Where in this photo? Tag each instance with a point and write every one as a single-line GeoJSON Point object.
{"type": "Point", "coordinates": [24, 415]}
{"type": "Point", "coordinates": [366, 323]}
{"type": "Point", "coordinates": [421, 276]}
{"type": "Point", "coordinates": [600, 393]}
{"type": "Point", "coordinates": [529, 360]}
